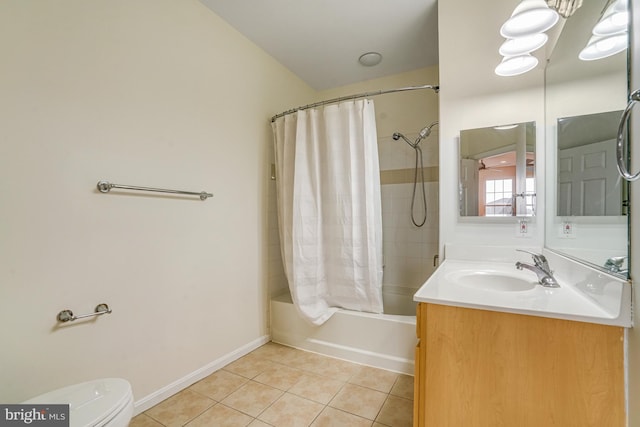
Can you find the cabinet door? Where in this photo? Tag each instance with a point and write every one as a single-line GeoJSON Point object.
{"type": "Point", "coordinates": [489, 369]}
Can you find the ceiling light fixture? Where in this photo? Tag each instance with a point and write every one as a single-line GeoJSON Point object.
{"type": "Point", "coordinates": [370, 59]}
{"type": "Point", "coordinates": [528, 18]}
{"type": "Point", "coordinates": [602, 47]}
{"type": "Point", "coordinates": [514, 65]}
{"type": "Point", "coordinates": [522, 45]}
{"type": "Point", "coordinates": [565, 8]}
{"type": "Point", "coordinates": [614, 20]}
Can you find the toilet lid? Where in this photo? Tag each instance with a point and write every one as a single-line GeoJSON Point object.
{"type": "Point", "coordinates": [92, 402]}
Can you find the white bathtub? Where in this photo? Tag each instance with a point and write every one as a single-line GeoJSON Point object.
{"type": "Point", "coordinates": [382, 340]}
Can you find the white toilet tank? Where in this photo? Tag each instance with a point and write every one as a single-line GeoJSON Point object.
{"type": "Point", "coordinates": [105, 402]}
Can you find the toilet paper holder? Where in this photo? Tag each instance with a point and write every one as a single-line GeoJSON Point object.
{"type": "Point", "coordinates": [68, 316]}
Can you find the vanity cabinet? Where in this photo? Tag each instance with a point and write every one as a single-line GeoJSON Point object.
{"type": "Point", "coordinates": [489, 369]}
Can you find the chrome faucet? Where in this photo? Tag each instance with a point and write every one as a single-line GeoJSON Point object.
{"type": "Point", "coordinates": [614, 264]}
{"type": "Point", "coordinates": [541, 268]}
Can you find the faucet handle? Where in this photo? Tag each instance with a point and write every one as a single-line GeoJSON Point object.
{"type": "Point", "coordinates": [539, 259]}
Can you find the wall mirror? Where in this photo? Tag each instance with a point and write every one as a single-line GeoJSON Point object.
{"type": "Point", "coordinates": [497, 171]}
{"type": "Point", "coordinates": [588, 181]}
{"type": "Point", "coordinates": [585, 206]}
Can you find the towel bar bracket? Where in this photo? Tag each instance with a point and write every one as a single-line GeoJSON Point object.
{"type": "Point", "coordinates": [68, 316]}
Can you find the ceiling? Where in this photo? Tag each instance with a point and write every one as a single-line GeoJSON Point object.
{"type": "Point", "coordinates": [321, 40]}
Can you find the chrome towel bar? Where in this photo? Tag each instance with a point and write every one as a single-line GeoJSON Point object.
{"type": "Point", "coordinates": [106, 186]}
{"type": "Point", "coordinates": [621, 148]}
{"type": "Point", "coordinates": [68, 316]}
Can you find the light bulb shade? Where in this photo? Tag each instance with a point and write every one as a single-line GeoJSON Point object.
{"type": "Point", "coordinates": [528, 18]}
{"type": "Point", "coordinates": [515, 65]}
{"type": "Point", "coordinates": [370, 59]}
{"type": "Point", "coordinates": [614, 20]}
{"type": "Point", "coordinates": [522, 45]}
{"type": "Point", "coordinates": [602, 47]}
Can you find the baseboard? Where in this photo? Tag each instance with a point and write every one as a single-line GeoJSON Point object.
{"type": "Point", "coordinates": [351, 354]}
{"type": "Point", "coordinates": [165, 392]}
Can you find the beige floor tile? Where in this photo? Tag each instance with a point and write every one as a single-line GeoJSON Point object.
{"type": "Point", "coordinates": [358, 400]}
{"type": "Point", "coordinates": [331, 417]}
{"type": "Point", "coordinates": [291, 411]}
{"type": "Point", "coordinates": [258, 423]}
{"type": "Point", "coordinates": [403, 387]}
{"type": "Point", "coordinates": [305, 360]}
{"type": "Point", "coordinates": [276, 352]}
{"type": "Point", "coordinates": [143, 420]}
{"type": "Point", "coordinates": [219, 385]}
{"type": "Point", "coordinates": [252, 398]}
{"type": "Point", "coordinates": [317, 388]}
{"type": "Point", "coordinates": [221, 416]}
{"type": "Point", "coordinates": [180, 408]}
{"type": "Point", "coordinates": [329, 367]}
{"type": "Point", "coordinates": [249, 366]}
{"type": "Point", "coordinates": [280, 376]}
{"type": "Point", "coordinates": [377, 379]}
{"type": "Point", "coordinates": [396, 412]}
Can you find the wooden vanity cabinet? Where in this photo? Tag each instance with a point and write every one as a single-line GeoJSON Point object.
{"type": "Point", "coordinates": [478, 368]}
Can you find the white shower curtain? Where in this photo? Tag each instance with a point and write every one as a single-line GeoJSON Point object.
{"type": "Point", "coordinates": [329, 208]}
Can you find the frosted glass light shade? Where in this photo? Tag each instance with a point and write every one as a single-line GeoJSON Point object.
{"type": "Point", "coordinates": [602, 47]}
{"type": "Point", "coordinates": [528, 18]}
{"type": "Point", "coordinates": [514, 65]}
{"type": "Point", "coordinates": [370, 59]}
{"type": "Point", "coordinates": [522, 45]}
{"type": "Point", "coordinates": [614, 20]}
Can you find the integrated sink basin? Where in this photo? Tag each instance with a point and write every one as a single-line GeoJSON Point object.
{"type": "Point", "coordinates": [583, 294]}
{"type": "Point", "coordinates": [495, 281]}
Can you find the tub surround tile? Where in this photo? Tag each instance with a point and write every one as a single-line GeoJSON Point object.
{"type": "Point", "coordinates": [358, 400]}
{"type": "Point", "coordinates": [291, 411]}
{"type": "Point", "coordinates": [180, 408]}
{"type": "Point", "coordinates": [221, 416]}
{"type": "Point", "coordinates": [252, 398]}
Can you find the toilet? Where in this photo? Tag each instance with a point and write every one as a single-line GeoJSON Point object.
{"type": "Point", "coordinates": [105, 402]}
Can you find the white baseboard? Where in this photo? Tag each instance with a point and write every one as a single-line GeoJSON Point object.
{"type": "Point", "coordinates": [169, 390]}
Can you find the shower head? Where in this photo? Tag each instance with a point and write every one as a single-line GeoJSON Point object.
{"type": "Point", "coordinates": [426, 131]}
{"type": "Point", "coordinates": [397, 135]}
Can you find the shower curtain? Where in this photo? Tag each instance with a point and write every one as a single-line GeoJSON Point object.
{"type": "Point", "coordinates": [329, 208]}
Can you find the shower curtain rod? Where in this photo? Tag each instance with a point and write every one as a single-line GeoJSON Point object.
{"type": "Point", "coordinates": [436, 88]}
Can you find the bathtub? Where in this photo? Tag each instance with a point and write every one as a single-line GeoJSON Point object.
{"type": "Point", "coordinates": [384, 341]}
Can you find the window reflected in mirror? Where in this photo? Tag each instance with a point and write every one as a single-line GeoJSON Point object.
{"type": "Point", "coordinates": [497, 171]}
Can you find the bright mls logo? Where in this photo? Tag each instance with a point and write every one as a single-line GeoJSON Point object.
{"type": "Point", "coordinates": [34, 415]}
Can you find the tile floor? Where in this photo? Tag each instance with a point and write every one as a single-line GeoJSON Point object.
{"type": "Point", "coordinates": [281, 386]}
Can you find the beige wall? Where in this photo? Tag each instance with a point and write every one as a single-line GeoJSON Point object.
{"type": "Point", "coordinates": [155, 93]}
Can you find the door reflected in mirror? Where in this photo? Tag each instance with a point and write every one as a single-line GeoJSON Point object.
{"type": "Point", "coordinates": [588, 180]}
{"type": "Point", "coordinates": [497, 171]}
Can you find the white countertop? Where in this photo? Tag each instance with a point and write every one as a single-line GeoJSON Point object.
{"type": "Point", "coordinates": [591, 297]}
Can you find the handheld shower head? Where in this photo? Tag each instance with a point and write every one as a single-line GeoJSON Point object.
{"type": "Point", "coordinates": [396, 136]}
